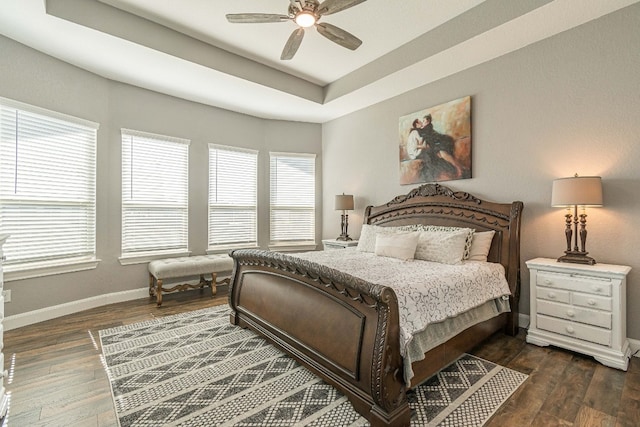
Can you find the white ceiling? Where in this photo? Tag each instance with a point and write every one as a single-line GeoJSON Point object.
{"type": "Point", "coordinates": [186, 48]}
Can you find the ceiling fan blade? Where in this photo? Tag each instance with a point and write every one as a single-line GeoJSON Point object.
{"type": "Point", "coordinates": [332, 6]}
{"type": "Point", "coordinates": [255, 18]}
{"type": "Point", "coordinates": [293, 44]}
{"type": "Point", "coordinates": [339, 36]}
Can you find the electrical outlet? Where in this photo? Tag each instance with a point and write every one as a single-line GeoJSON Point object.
{"type": "Point", "coordinates": [7, 295]}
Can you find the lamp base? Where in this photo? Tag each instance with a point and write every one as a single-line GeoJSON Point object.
{"type": "Point", "coordinates": [344, 237]}
{"type": "Point", "coordinates": [577, 257]}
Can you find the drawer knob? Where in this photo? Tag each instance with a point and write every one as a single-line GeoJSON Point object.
{"type": "Point", "coordinates": [551, 295]}
{"type": "Point", "coordinates": [571, 313]}
{"type": "Point", "coordinates": [548, 282]}
{"type": "Point", "coordinates": [597, 288]}
{"type": "Point", "coordinates": [591, 302]}
{"type": "Point", "coordinates": [570, 329]}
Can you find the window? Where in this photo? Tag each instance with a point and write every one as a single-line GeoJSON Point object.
{"type": "Point", "coordinates": [155, 187]}
{"type": "Point", "coordinates": [233, 191]}
{"type": "Point", "coordinates": [47, 190]}
{"type": "Point", "coordinates": [293, 196]}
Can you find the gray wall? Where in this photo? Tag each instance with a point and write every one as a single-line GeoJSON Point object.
{"type": "Point", "coordinates": [31, 77]}
{"type": "Point", "coordinates": [563, 105]}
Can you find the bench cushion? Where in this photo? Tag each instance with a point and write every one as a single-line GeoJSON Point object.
{"type": "Point", "coordinates": [188, 266]}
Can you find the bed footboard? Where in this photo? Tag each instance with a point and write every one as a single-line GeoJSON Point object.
{"type": "Point", "coordinates": [342, 328]}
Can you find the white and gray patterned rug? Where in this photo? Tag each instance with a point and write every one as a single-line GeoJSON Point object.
{"type": "Point", "coordinates": [196, 369]}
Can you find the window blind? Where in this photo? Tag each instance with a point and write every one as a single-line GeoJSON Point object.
{"type": "Point", "coordinates": [233, 193]}
{"type": "Point", "coordinates": [293, 196]}
{"type": "Point", "coordinates": [47, 185]}
{"type": "Point", "coordinates": [155, 187]}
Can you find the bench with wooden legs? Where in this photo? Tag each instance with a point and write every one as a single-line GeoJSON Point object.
{"type": "Point", "coordinates": [204, 266]}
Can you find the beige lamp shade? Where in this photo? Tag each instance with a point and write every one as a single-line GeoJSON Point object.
{"type": "Point", "coordinates": [577, 191]}
{"type": "Point", "coordinates": [344, 202]}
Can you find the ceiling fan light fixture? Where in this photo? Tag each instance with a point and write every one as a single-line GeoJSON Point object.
{"type": "Point", "coordinates": [305, 19]}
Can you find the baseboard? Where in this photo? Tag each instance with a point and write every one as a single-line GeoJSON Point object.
{"type": "Point", "coordinates": [635, 347]}
{"type": "Point", "coordinates": [48, 313]}
{"type": "Point", "coordinates": [523, 320]}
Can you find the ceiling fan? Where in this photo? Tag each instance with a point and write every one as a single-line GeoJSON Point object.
{"type": "Point", "coordinates": [306, 13]}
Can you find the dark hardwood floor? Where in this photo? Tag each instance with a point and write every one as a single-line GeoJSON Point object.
{"type": "Point", "coordinates": [57, 377]}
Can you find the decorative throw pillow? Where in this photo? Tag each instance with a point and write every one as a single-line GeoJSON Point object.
{"type": "Point", "coordinates": [397, 245]}
{"type": "Point", "coordinates": [480, 245]}
{"type": "Point", "coordinates": [468, 241]}
{"type": "Point", "coordinates": [446, 247]}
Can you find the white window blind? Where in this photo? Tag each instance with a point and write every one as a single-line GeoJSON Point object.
{"type": "Point", "coordinates": [233, 192]}
{"type": "Point", "coordinates": [47, 186]}
{"type": "Point", "coordinates": [292, 198]}
{"type": "Point", "coordinates": [155, 194]}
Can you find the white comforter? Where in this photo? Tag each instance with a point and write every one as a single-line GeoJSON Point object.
{"type": "Point", "coordinates": [428, 292]}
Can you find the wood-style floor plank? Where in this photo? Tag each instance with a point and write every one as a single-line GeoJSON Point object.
{"type": "Point", "coordinates": [605, 390]}
{"type": "Point", "coordinates": [566, 398]}
{"type": "Point", "coordinates": [629, 408]}
{"type": "Point", "coordinates": [591, 417]}
{"type": "Point", "coordinates": [58, 378]}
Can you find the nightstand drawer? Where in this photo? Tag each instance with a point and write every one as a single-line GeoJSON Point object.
{"type": "Point", "coordinates": [592, 301]}
{"type": "Point", "coordinates": [553, 295]}
{"type": "Point", "coordinates": [574, 330]}
{"type": "Point", "coordinates": [575, 283]}
{"type": "Point", "coordinates": [576, 314]}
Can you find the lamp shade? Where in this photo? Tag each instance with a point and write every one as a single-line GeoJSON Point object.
{"type": "Point", "coordinates": [344, 202]}
{"type": "Point", "coordinates": [577, 190]}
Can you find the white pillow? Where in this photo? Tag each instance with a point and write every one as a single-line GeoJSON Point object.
{"type": "Point", "coordinates": [446, 247]}
{"type": "Point", "coordinates": [480, 245]}
{"type": "Point", "coordinates": [397, 245]}
{"type": "Point", "coordinates": [367, 240]}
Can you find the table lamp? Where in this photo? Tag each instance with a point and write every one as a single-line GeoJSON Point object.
{"type": "Point", "coordinates": [344, 203]}
{"type": "Point", "coordinates": [573, 192]}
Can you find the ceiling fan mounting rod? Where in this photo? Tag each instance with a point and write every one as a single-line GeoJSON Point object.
{"type": "Point", "coordinates": [304, 6]}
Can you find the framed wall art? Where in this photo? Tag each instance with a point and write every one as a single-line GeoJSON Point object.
{"type": "Point", "coordinates": [435, 143]}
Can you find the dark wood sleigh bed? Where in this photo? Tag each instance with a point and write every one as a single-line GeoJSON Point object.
{"type": "Point", "coordinates": [346, 330]}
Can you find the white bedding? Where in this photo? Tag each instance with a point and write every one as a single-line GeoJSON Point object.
{"type": "Point", "coordinates": [428, 292]}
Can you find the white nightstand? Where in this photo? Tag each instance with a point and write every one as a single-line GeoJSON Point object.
{"type": "Point", "coordinates": [338, 244]}
{"type": "Point", "coordinates": [580, 308]}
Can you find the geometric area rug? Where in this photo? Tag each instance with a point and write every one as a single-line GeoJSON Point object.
{"type": "Point", "coordinates": [196, 369]}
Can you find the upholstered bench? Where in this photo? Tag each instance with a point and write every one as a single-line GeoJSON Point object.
{"type": "Point", "coordinates": [188, 266]}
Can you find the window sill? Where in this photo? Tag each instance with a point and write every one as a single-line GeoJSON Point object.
{"type": "Point", "coordinates": [51, 268]}
{"type": "Point", "coordinates": [145, 257]}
